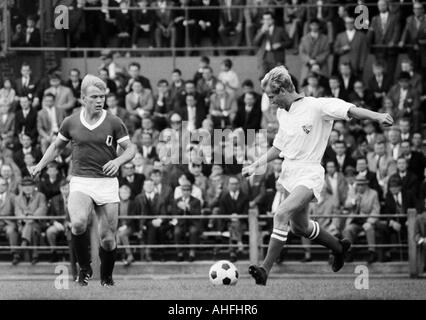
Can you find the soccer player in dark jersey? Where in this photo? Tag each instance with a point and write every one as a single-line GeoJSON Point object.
{"type": "Point", "coordinates": [95, 136]}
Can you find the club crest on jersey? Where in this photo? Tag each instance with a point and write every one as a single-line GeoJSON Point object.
{"type": "Point", "coordinates": [307, 129]}
{"type": "Point", "coordinates": [109, 141]}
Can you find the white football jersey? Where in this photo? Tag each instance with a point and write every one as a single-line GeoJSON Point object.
{"type": "Point", "coordinates": [304, 129]}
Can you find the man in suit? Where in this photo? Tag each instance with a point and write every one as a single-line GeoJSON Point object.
{"type": "Point", "coordinates": [379, 83]}
{"type": "Point", "coordinates": [26, 119]}
{"type": "Point", "coordinates": [207, 84]}
{"type": "Point", "coordinates": [27, 147]}
{"type": "Point", "coordinates": [420, 236]}
{"type": "Point", "coordinates": [234, 202]}
{"type": "Point", "coordinates": [192, 113]}
{"type": "Point", "coordinates": [416, 160]}
{"type": "Point", "coordinates": [351, 46]}
{"type": "Point", "coordinates": [416, 79]}
{"type": "Point", "coordinates": [271, 41]}
{"type": "Point", "coordinates": [394, 136]}
{"type": "Point", "coordinates": [343, 158]}
{"type": "Point", "coordinates": [385, 30]}
{"type": "Point", "coordinates": [186, 205]}
{"type": "Point", "coordinates": [223, 107]}
{"type": "Point", "coordinates": [74, 83]}
{"type": "Point", "coordinates": [47, 121]}
{"type": "Point", "coordinates": [26, 85]}
{"type": "Point", "coordinates": [414, 34]}
{"type": "Point", "coordinates": [378, 160]}
{"type": "Point", "coordinates": [362, 97]}
{"type": "Point", "coordinates": [30, 202]}
{"type": "Point", "coordinates": [254, 188]}
{"type": "Point", "coordinates": [7, 201]}
{"type": "Point", "coordinates": [366, 202]}
{"type": "Point", "coordinates": [134, 180]}
{"type": "Point", "coordinates": [164, 23]}
{"type": "Point", "coordinates": [164, 190]}
{"type": "Point", "coordinates": [335, 89]}
{"type": "Point", "coordinates": [148, 203]}
{"type": "Point", "coordinates": [116, 110]}
{"type": "Point", "coordinates": [134, 71]}
{"type": "Point", "coordinates": [147, 147]}
{"type": "Point", "coordinates": [64, 97]}
{"type": "Point", "coordinates": [7, 122]}
{"type": "Point", "coordinates": [249, 113]}
{"type": "Point", "coordinates": [49, 183]}
{"type": "Point", "coordinates": [143, 25]}
{"type": "Point", "coordinates": [314, 48]}
{"type": "Point", "coordinates": [207, 21]}
{"type": "Point", "coordinates": [230, 23]}
{"type": "Point", "coordinates": [362, 171]}
{"type": "Point", "coordinates": [32, 34]}
{"type": "Point", "coordinates": [410, 183]}
{"type": "Point", "coordinates": [347, 78]}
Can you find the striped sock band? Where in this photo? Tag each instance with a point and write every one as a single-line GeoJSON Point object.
{"type": "Point", "coordinates": [315, 230]}
{"type": "Point", "coordinates": [280, 235]}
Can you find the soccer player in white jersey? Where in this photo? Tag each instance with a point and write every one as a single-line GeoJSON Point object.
{"type": "Point", "coordinates": [305, 124]}
{"type": "Point", "coordinates": [94, 135]}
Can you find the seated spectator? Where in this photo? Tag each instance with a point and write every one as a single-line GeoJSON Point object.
{"type": "Point", "coordinates": [314, 48]}
{"type": "Point", "coordinates": [223, 107]}
{"type": "Point", "coordinates": [343, 158]}
{"type": "Point", "coordinates": [177, 85]}
{"type": "Point", "coordinates": [406, 100]}
{"type": "Point", "coordinates": [179, 102]}
{"type": "Point", "coordinates": [362, 171]}
{"type": "Point", "coordinates": [323, 81]}
{"type": "Point", "coordinates": [335, 89]}
{"type": "Point", "coordinates": [229, 77]}
{"type": "Point", "coordinates": [417, 142]}
{"type": "Point", "coordinates": [420, 236]}
{"type": "Point", "coordinates": [379, 160]}
{"type": "Point", "coordinates": [143, 25]}
{"type": "Point", "coordinates": [32, 34]}
{"type": "Point", "coordinates": [30, 202]}
{"type": "Point", "coordinates": [139, 102]}
{"type": "Point", "coordinates": [109, 62]}
{"type": "Point", "coordinates": [270, 122]}
{"type": "Point", "coordinates": [110, 84]}
{"type": "Point", "coordinates": [122, 113]}
{"type": "Point", "coordinates": [398, 200]}
{"type": "Point", "coordinates": [18, 36]}
{"type": "Point", "coordinates": [379, 83]}
{"type": "Point", "coordinates": [394, 146]}
{"type": "Point", "coordinates": [230, 23]}
{"type": "Point", "coordinates": [362, 97]}
{"type": "Point", "coordinates": [126, 227]}
{"type": "Point", "coordinates": [7, 93]}
{"type": "Point", "coordinates": [164, 32]}
{"type": "Point", "coordinates": [26, 120]}
{"type": "Point", "coordinates": [134, 71]}
{"type": "Point", "coordinates": [254, 188]}
{"type": "Point", "coordinates": [312, 89]}
{"type": "Point", "coordinates": [405, 127]}
{"type": "Point", "coordinates": [206, 85]}
{"type": "Point", "coordinates": [11, 173]}
{"type": "Point", "coordinates": [124, 25]}
{"type": "Point", "coordinates": [234, 202]}
{"type": "Point", "coordinates": [131, 179]}
{"type": "Point", "coordinates": [366, 202]}
{"type": "Point", "coordinates": [195, 191]}
{"type": "Point", "coordinates": [47, 121]}
{"type": "Point", "coordinates": [7, 122]}
{"type": "Point", "coordinates": [185, 205]}
{"type": "Point", "coordinates": [201, 181]}
{"type": "Point", "coordinates": [164, 191]}
{"type": "Point", "coordinates": [49, 183]}
{"type": "Point", "coordinates": [163, 105]}
{"type": "Point", "coordinates": [204, 63]}
{"type": "Point", "coordinates": [416, 160]}
{"type": "Point", "coordinates": [192, 112]}
{"type": "Point", "coordinates": [18, 156]}
{"type": "Point", "coordinates": [416, 80]}
{"type": "Point", "coordinates": [347, 78]}
{"type": "Point", "coordinates": [65, 101]}
{"type": "Point", "coordinates": [207, 23]}
{"type": "Point", "coordinates": [141, 165]}
{"type": "Point", "coordinates": [74, 83]}
{"type": "Point", "coordinates": [147, 148]}
{"type": "Point", "coordinates": [410, 182]}
{"type": "Point", "coordinates": [7, 202]}
{"type": "Point", "coordinates": [249, 113]}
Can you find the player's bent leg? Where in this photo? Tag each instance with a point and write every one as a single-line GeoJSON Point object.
{"type": "Point", "coordinates": [296, 201]}
{"type": "Point", "coordinates": [80, 206]}
{"type": "Point", "coordinates": [108, 222]}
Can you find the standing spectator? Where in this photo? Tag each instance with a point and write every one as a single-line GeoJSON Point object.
{"type": "Point", "coordinates": [230, 23]}
{"type": "Point", "coordinates": [134, 71]}
{"type": "Point", "coordinates": [207, 23]}
{"type": "Point", "coordinates": [32, 33]}
{"type": "Point", "coordinates": [249, 114]}
{"type": "Point", "coordinates": [366, 202]}
{"type": "Point", "coordinates": [383, 36]}
{"type": "Point", "coordinates": [351, 46]}
{"type": "Point", "coordinates": [164, 32]}
{"type": "Point", "coordinates": [30, 202]}
{"type": "Point", "coordinates": [7, 93]}
{"type": "Point", "coordinates": [223, 107]}
{"type": "Point", "coordinates": [271, 41]}
{"type": "Point", "coordinates": [314, 48]}
{"type": "Point", "coordinates": [294, 16]}
{"type": "Point", "coordinates": [47, 121]}
{"type": "Point", "coordinates": [229, 77]}
{"type": "Point", "coordinates": [234, 202]}
{"type": "Point", "coordinates": [415, 35]}
{"type": "Point", "coordinates": [163, 190]}
{"type": "Point", "coordinates": [7, 202]}
{"type": "Point", "coordinates": [26, 85]}
{"type": "Point", "coordinates": [378, 160]}
{"type": "Point", "coordinates": [380, 83]}
{"type": "Point", "coordinates": [26, 120]}
{"type": "Point", "coordinates": [64, 97]}
{"type": "Point", "coordinates": [49, 183]}
{"type": "Point", "coordinates": [186, 205]}
{"type": "Point", "coordinates": [143, 25]}
{"type": "Point", "coordinates": [254, 188]}
{"type": "Point", "coordinates": [132, 179]}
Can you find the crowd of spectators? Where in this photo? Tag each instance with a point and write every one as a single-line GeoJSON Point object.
{"type": "Point", "coordinates": [369, 169]}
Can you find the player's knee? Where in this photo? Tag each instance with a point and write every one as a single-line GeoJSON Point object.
{"type": "Point", "coordinates": [108, 243]}
{"type": "Point", "coordinates": [299, 229]}
{"type": "Point", "coordinates": [79, 227]}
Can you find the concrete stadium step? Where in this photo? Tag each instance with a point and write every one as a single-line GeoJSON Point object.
{"type": "Point", "coordinates": [202, 267]}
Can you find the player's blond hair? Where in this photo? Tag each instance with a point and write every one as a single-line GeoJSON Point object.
{"type": "Point", "coordinates": [92, 81]}
{"type": "Point", "coordinates": [277, 79]}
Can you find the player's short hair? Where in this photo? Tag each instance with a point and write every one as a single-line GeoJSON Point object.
{"type": "Point", "coordinates": [277, 79]}
{"type": "Point", "coordinates": [92, 81]}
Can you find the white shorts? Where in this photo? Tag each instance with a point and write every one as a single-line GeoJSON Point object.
{"type": "Point", "coordinates": [299, 173]}
{"type": "Point", "coordinates": [101, 190]}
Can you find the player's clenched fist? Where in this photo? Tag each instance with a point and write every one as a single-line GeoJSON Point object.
{"type": "Point", "coordinates": [249, 170]}
{"type": "Point", "coordinates": [111, 168]}
{"type": "Point", "coordinates": [35, 170]}
{"type": "Point", "coordinates": [385, 119]}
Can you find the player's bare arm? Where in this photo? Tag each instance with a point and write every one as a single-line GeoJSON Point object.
{"type": "Point", "coordinates": [111, 168]}
{"type": "Point", "coordinates": [272, 154]}
{"type": "Point", "coordinates": [54, 150]}
{"type": "Point", "coordinates": [364, 114]}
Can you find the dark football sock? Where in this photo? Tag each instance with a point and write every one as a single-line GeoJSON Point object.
{"type": "Point", "coordinates": [324, 238]}
{"type": "Point", "coordinates": [81, 245]}
{"type": "Point", "coordinates": [276, 243]}
{"type": "Point", "coordinates": [107, 262]}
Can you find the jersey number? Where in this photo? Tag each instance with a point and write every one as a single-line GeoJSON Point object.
{"type": "Point", "coordinates": [109, 141]}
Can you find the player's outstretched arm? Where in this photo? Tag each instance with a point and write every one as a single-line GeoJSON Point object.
{"type": "Point", "coordinates": [112, 167]}
{"type": "Point", "coordinates": [54, 150]}
{"type": "Point", "coordinates": [364, 114]}
{"type": "Point", "coordinates": [259, 166]}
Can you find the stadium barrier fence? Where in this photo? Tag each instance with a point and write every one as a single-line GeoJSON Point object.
{"type": "Point", "coordinates": [254, 245]}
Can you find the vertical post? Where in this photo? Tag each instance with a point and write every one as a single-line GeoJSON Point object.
{"type": "Point", "coordinates": [85, 61]}
{"type": "Point", "coordinates": [186, 29]}
{"type": "Point", "coordinates": [94, 246]}
{"type": "Point", "coordinates": [7, 27]}
{"type": "Point", "coordinates": [254, 236]}
{"type": "Point", "coordinates": [412, 247]}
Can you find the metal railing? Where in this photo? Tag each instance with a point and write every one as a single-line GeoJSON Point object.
{"type": "Point", "coordinates": [255, 244]}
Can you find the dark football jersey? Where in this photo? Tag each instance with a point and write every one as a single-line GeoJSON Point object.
{"type": "Point", "coordinates": [92, 145]}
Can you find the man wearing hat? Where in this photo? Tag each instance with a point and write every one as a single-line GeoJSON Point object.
{"type": "Point", "coordinates": [366, 202]}
{"type": "Point", "coordinates": [30, 202]}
